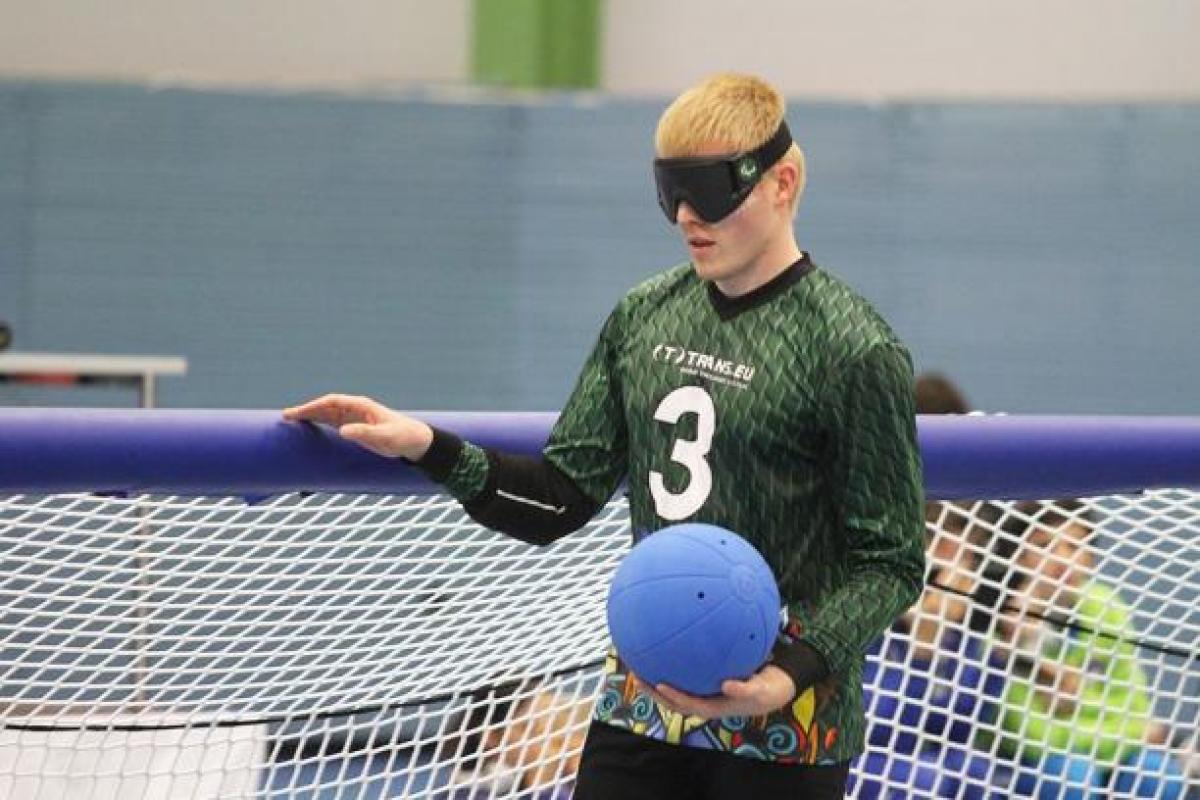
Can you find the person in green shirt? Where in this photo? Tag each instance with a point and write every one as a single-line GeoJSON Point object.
{"type": "Point", "coordinates": [1077, 707]}
{"type": "Point", "coordinates": [746, 388]}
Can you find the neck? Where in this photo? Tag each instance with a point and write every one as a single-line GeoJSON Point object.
{"type": "Point", "coordinates": [774, 259]}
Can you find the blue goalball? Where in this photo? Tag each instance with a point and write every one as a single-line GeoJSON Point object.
{"type": "Point", "coordinates": [693, 605]}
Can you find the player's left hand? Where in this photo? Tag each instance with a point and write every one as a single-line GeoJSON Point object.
{"type": "Point", "coordinates": [767, 690]}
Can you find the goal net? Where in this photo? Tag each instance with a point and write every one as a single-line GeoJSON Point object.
{"type": "Point", "coordinates": [275, 642]}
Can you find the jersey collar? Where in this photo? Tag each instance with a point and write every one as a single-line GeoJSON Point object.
{"type": "Point", "coordinates": [729, 307]}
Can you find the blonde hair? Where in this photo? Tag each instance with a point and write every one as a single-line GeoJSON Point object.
{"type": "Point", "coordinates": [726, 110]}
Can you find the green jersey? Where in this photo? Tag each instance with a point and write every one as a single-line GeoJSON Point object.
{"type": "Point", "coordinates": [786, 416]}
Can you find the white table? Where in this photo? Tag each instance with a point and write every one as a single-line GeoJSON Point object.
{"type": "Point", "coordinates": [69, 369]}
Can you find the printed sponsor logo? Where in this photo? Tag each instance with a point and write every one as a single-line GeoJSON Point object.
{"type": "Point", "coordinates": [693, 362]}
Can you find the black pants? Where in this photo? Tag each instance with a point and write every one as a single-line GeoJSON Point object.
{"type": "Point", "coordinates": [619, 765]}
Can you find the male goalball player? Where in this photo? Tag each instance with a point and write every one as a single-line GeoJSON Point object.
{"type": "Point", "coordinates": [747, 388]}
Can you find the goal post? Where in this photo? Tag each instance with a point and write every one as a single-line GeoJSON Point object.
{"type": "Point", "coordinates": [258, 454]}
{"type": "Point", "coordinates": [211, 604]}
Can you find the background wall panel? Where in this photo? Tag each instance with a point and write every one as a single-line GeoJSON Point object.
{"type": "Point", "coordinates": [444, 255]}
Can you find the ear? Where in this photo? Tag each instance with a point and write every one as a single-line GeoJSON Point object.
{"type": "Point", "coordinates": [787, 183]}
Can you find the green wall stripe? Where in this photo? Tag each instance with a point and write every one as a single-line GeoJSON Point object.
{"type": "Point", "coordinates": [544, 44]}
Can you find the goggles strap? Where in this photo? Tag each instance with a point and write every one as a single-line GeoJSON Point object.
{"type": "Point", "coordinates": [750, 166]}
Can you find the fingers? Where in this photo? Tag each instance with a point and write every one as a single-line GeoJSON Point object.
{"type": "Point", "coordinates": [689, 705]}
{"type": "Point", "coordinates": [380, 439]}
{"type": "Point", "coordinates": [368, 436]}
{"type": "Point", "coordinates": [357, 432]}
{"type": "Point", "coordinates": [334, 409]}
{"type": "Point", "coordinates": [758, 695]}
{"type": "Point", "coordinates": [653, 692]}
{"type": "Point", "coordinates": [670, 698]}
{"type": "Point", "coordinates": [368, 423]}
{"type": "Point", "coordinates": [322, 409]}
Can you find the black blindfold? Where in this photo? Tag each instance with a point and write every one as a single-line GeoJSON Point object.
{"type": "Point", "coordinates": [715, 187]}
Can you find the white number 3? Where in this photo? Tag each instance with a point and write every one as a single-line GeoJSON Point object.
{"type": "Point", "coordinates": [690, 453]}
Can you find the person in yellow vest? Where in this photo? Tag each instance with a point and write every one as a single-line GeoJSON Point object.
{"type": "Point", "coordinates": [1077, 711]}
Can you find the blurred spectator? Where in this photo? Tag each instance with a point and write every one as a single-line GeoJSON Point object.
{"type": "Point", "coordinates": [937, 394]}
{"type": "Point", "coordinates": [929, 679]}
{"type": "Point", "coordinates": [1077, 711]}
{"type": "Point", "coordinates": [518, 737]}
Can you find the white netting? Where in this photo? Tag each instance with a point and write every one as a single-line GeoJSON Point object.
{"type": "Point", "coordinates": [353, 646]}
{"type": "Point", "coordinates": [1053, 654]}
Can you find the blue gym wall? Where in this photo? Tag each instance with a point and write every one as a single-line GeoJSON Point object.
{"type": "Point", "coordinates": [463, 255]}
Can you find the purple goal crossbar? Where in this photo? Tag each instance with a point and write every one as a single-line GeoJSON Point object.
{"type": "Point", "coordinates": [256, 454]}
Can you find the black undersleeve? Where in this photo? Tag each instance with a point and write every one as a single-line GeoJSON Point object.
{"type": "Point", "coordinates": [525, 497]}
{"type": "Point", "coordinates": [529, 499]}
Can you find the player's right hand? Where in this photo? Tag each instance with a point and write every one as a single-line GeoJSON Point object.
{"type": "Point", "coordinates": [370, 424]}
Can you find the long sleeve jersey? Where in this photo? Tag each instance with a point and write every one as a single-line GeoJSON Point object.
{"type": "Point", "coordinates": [785, 415]}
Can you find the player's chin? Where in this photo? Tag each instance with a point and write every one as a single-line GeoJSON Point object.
{"type": "Point", "coordinates": [707, 265]}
